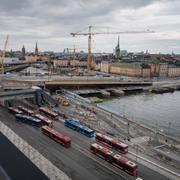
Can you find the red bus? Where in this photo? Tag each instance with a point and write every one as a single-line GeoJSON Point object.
{"type": "Point", "coordinates": [14, 110]}
{"type": "Point", "coordinates": [26, 110]}
{"type": "Point", "coordinates": [44, 120]}
{"type": "Point", "coordinates": [111, 143]}
{"type": "Point", "coordinates": [64, 140]}
{"type": "Point", "coordinates": [49, 113]}
{"type": "Point", "coordinates": [115, 159]}
{"type": "Point", "coordinates": [125, 164]}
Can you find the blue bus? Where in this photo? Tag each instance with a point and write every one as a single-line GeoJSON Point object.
{"type": "Point", "coordinates": [77, 126]}
{"type": "Point", "coordinates": [28, 119]}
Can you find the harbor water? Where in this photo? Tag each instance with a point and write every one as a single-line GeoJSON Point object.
{"type": "Point", "coordinates": [161, 111]}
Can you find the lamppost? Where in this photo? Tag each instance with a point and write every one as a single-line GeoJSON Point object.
{"type": "Point", "coordinates": [169, 127]}
{"type": "Point", "coordinates": [136, 145]}
{"type": "Point", "coordinates": [128, 127]}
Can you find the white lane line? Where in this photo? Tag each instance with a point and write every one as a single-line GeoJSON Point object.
{"type": "Point", "coordinates": [153, 163]}
{"type": "Point", "coordinates": [51, 171]}
{"type": "Point", "coordinates": [89, 154]}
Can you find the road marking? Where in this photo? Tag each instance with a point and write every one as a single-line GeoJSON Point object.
{"type": "Point", "coordinates": [161, 167]}
{"type": "Point", "coordinates": [89, 154]}
{"type": "Point", "coordinates": [51, 171]}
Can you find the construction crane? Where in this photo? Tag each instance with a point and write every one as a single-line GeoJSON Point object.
{"type": "Point", "coordinates": [3, 55]}
{"type": "Point", "coordinates": [90, 34]}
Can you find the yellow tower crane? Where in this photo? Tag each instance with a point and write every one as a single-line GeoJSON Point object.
{"type": "Point", "coordinates": [3, 55]}
{"type": "Point", "coordinates": [90, 34]}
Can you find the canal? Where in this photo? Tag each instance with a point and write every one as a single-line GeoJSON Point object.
{"type": "Point", "coordinates": [155, 110]}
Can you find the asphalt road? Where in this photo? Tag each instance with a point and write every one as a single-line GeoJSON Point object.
{"type": "Point", "coordinates": [11, 157]}
{"type": "Point", "coordinates": [77, 162]}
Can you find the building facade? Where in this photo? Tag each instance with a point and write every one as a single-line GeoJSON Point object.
{"type": "Point", "coordinates": [126, 69]}
{"type": "Point", "coordinates": [31, 58]}
{"type": "Point", "coordinates": [60, 63]}
{"type": "Point", "coordinates": [163, 70]}
{"type": "Point", "coordinates": [174, 72]}
{"type": "Point", "coordinates": [104, 67]}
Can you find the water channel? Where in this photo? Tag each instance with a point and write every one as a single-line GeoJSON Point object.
{"type": "Point", "coordinates": [155, 110]}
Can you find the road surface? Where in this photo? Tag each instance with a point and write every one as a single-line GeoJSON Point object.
{"type": "Point", "coordinates": [77, 162]}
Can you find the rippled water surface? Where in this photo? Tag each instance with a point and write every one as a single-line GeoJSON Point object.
{"type": "Point", "coordinates": [161, 110]}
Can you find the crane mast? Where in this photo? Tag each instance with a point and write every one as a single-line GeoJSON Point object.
{"type": "Point", "coordinates": [89, 63]}
{"type": "Point", "coordinates": [3, 55]}
{"type": "Point", "coordinates": [90, 34]}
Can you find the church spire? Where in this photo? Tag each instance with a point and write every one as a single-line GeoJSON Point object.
{"type": "Point", "coordinates": [117, 49]}
{"type": "Point", "coordinates": [36, 49]}
{"type": "Point", "coordinates": [118, 42]}
{"type": "Point", "coordinates": [23, 52]}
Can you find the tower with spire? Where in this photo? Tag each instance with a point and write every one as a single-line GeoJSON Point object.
{"type": "Point", "coordinates": [36, 49]}
{"type": "Point", "coordinates": [23, 52]}
{"type": "Point", "coordinates": [117, 50]}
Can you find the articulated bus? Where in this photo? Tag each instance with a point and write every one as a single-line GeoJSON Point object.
{"type": "Point", "coordinates": [49, 113]}
{"type": "Point", "coordinates": [14, 110]}
{"type": "Point", "coordinates": [77, 126]}
{"type": "Point", "coordinates": [110, 142]}
{"type": "Point", "coordinates": [64, 140]}
{"type": "Point", "coordinates": [44, 120]}
{"type": "Point", "coordinates": [28, 119]}
{"type": "Point", "coordinates": [115, 159]}
{"type": "Point", "coordinates": [26, 110]}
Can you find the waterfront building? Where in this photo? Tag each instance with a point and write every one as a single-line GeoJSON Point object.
{"type": "Point", "coordinates": [104, 66]}
{"type": "Point", "coordinates": [173, 71]}
{"type": "Point", "coordinates": [154, 70]}
{"type": "Point", "coordinates": [130, 69]}
{"type": "Point", "coordinates": [163, 70]}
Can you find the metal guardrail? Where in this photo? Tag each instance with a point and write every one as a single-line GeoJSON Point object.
{"type": "Point", "coordinates": [153, 163]}
{"type": "Point", "coordinates": [146, 160]}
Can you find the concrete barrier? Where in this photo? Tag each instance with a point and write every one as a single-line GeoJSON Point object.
{"type": "Point", "coordinates": [51, 171]}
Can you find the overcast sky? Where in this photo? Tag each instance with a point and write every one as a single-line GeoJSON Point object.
{"type": "Point", "coordinates": [50, 22]}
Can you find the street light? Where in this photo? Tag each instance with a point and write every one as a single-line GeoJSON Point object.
{"type": "Point", "coordinates": [128, 126]}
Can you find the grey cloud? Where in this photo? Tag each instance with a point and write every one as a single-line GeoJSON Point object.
{"type": "Point", "coordinates": [65, 12]}
{"type": "Point", "coordinates": [10, 6]}
{"type": "Point", "coordinates": [27, 20]}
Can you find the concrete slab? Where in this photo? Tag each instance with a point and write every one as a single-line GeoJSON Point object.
{"type": "Point", "coordinates": [140, 140]}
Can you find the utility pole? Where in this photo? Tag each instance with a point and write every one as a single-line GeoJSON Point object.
{"type": "Point", "coordinates": [156, 135]}
{"type": "Point", "coordinates": [169, 127]}
{"type": "Point", "coordinates": [128, 127]}
{"type": "Point", "coordinates": [136, 151]}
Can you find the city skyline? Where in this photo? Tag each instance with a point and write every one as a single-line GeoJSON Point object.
{"type": "Point", "coordinates": [50, 23]}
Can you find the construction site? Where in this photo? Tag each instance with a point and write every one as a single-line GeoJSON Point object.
{"type": "Point", "coordinates": [34, 93]}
